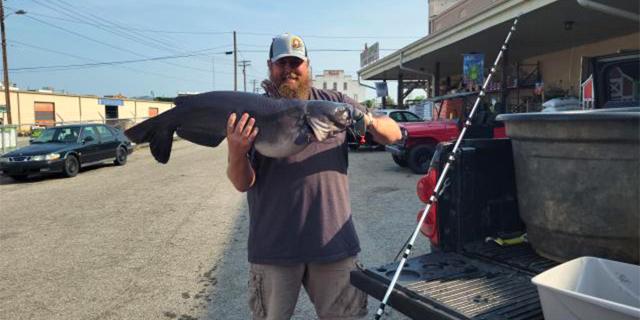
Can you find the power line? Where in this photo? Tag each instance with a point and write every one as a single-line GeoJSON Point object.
{"type": "Point", "coordinates": [333, 36]}
{"type": "Point", "coordinates": [137, 71]}
{"type": "Point", "coordinates": [164, 31]}
{"type": "Point", "coordinates": [163, 44]}
{"type": "Point", "coordinates": [103, 43]}
{"type": "Point", "coordinates": [99, 64]}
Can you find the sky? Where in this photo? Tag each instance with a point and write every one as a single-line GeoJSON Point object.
{"type": "Point", "coordinates": [78, 46]}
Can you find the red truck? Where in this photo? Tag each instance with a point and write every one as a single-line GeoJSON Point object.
{"type": "Point", "coordinates": [421, 138]}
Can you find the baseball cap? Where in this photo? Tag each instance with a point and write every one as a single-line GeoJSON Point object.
{"type": "Point", "coordinates": [287, 45]}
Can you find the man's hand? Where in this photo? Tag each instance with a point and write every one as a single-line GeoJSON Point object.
{"type": "Point", "coordinates": [364, 123]}
{"type": "Point", "coordinates": [240, 135]}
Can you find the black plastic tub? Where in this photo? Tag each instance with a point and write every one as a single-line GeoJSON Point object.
{"type": "Point", "coordinates": [578, 181]}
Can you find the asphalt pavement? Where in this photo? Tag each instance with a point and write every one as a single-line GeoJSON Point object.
{"type": "Point", "coordinates": [152, 241]}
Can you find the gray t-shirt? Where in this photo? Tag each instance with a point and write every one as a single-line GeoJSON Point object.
{"type": "Point", "coordinates": [299, 206]}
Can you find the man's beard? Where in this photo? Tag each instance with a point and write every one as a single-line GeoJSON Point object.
{"type": "Point", "coordinates": [300, 89]}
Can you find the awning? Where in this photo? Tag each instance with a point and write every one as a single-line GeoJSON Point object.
{"type": "Point", "coordinates": [541, 30]}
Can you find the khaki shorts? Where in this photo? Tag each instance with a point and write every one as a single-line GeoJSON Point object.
{"type": "Point", "coordinates": [274, 290]}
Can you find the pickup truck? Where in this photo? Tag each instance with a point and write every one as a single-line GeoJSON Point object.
{"type": "Point", "coordinates": [421, 138]}
{"type": "Point", "coordinates": [467, 275]}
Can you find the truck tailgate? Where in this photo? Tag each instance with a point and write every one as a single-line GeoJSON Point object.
{"type": "Point", "coordinates": [454, 286]}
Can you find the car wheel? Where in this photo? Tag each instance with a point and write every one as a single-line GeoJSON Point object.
{"type": "Point", "coordinates": [71, 166]}
{"type": "Point", "coordinates": [19, 177]}
{"type": "Point", "coordinates": [399, 161]}
{"type": "Point", "coordinates": [121, 157]}
{"type": "Point", "coordinates": [420, 158]}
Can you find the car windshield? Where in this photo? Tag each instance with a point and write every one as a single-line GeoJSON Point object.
{"type": "Point", "coordinates": [410, 117]}
{"type": "Point", "coordinates": [59, 135]}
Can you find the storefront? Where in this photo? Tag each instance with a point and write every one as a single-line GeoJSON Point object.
{"type": "Point", "coordinates": [557, 46]}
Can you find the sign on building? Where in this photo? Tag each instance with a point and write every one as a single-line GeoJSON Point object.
{"type": "Point", "coordinates": [110, 102]}
{"type": "Point", "coordinates": [587, 93]}
{"type": "Point", "coordinates": [381, 89]}
{"type": "Point", "coordinates": [473, 69]}
{"type": "Point", "coordinates": [369, 54]}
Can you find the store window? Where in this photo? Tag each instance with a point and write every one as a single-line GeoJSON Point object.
{"type": "Point", "coordinates": [344, 87]}
{"type": "Point", "coordinates": [335, 86]}
{"type": "Point", "coordinates": [617, 81]}
{"type": "Point", "coordinates": [324, 85]}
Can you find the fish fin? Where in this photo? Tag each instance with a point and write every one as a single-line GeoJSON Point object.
{"type": "Point", "coordinates": [200, 137]}
{"type": "Point", "coordinates": [160, 138]}
{"type": "Point", "coordinates": [161, 142]}
{"type": "Point", "coordinates": [141, 132]}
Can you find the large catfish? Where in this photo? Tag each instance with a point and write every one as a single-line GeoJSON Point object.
{"type": "Point", "coordinates": [286, 126]}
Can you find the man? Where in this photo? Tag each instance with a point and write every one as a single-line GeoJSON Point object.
{"type": "Point", "coordinates": [301, 232]}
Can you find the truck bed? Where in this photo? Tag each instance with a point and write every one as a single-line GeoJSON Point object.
{"type": "Point", "coordinates": [484, 281]}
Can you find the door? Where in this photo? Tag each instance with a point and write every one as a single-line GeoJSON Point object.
{"type": "Point", "coordinates": [45, 114]}
{"type": "Point", "coordinates": [90, 150]}
{"type": "Point", "coordinates": [153, 112]}
{"type": "Point", "coordinates": [108, 143]}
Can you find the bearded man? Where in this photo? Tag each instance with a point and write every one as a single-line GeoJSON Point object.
{"type": "Point", "coordinates": [301, 233]}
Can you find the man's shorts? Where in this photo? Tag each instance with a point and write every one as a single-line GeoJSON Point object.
{"type": "Point", "coordinates": [274, 290]}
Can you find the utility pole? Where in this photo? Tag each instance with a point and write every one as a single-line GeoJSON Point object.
{"type": "Point", "coordinates": [235, 63]}
{"type": "Point", "coordinates": [244, 64]}
{"type": "Point", "coordinates": [5, 68]}
{"type": "Point", "coordinates": [213, 72]}
{"type": "Point", "coordinates": [255, 83]}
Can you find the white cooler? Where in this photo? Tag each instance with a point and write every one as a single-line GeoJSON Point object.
{"type": "Point", "coordinates": [590, 288]}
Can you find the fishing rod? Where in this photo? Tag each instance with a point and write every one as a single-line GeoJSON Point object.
{"type": "Point", "coordinates": [451, 159]}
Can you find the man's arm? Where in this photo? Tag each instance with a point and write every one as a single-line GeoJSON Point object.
{"type": "Point", "coordinates": [240, 137]}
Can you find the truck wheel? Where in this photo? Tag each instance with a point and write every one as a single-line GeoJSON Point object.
{"type": "Point", "coordinates": [419, 158]}
{"type": "Point", "coordinates": [399, 161]}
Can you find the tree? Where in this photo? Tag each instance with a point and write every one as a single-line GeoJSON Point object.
{"type": "Point", "coordinates": [369, 103]}
{"type": "Point", "coordinates": [390, 101]}
{"type": "Point", "coordinates": [165, 99]}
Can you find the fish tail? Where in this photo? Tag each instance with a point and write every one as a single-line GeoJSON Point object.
{"type": "Point", "coordinates": [159, 137]}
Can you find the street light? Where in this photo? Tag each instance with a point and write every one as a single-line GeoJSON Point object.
{"type": "Point", "coordinates": [7, 97]}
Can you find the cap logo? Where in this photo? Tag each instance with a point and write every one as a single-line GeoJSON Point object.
{"type": "Point", "coordinates": [296, 43]}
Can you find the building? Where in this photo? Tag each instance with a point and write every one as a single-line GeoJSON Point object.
{"type": "Point", "coordinates": [47, 108]}
{"type": "Point", "coordinates": [557, 46]}
{"type": "Point", "coordinates": [336, 80]}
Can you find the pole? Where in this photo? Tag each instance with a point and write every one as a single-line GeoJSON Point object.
{"type": "Point", "coordinates": [235, 63]}
{"type": "Point", "coordinates": [244, 64]}
{"type": "Point", "coordinates": [7, 96]}
{"type": "Point", "coordinates": [434, 196]}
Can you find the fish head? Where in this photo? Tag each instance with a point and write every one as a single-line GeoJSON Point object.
{"type": "Point", "coordinates": [327, 118]}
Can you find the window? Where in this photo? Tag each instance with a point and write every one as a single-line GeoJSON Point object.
{"type": "Point", "coordinates": [344, 86]}
{"type": "Point", "coordinates": [105, 133]}
{"type": "Point", "coordinates": [335, 86]}
{"type": "Point", "coordinates": [355, 97]}
{"type": "Point", "coordinates": [89, 132]}
{"type": "Point", "coordinates": [324, 85]}
{"type": "Point", "coordinates": [111, 112]}
{"type": "Point", "coordinates": [410, 117]}
{"type": "Point", "coordinates": [397, 116]}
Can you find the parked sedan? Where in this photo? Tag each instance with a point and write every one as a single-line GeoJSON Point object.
{"type": "Point", "coordinates": [356, 140]}
{"type": "Point", "coordinates": [66, 149]}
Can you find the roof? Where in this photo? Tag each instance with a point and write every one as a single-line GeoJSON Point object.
{"type": "Point", "coordinates": [540, 30]}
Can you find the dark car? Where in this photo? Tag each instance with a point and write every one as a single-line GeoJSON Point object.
{"type": "Point", "coordinates": [66, 149]}
{"type": "Point", "coordinates": [356, 139]}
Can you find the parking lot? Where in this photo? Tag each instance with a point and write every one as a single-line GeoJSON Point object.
{"type": "Point", "coordinates": [152, 241]}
